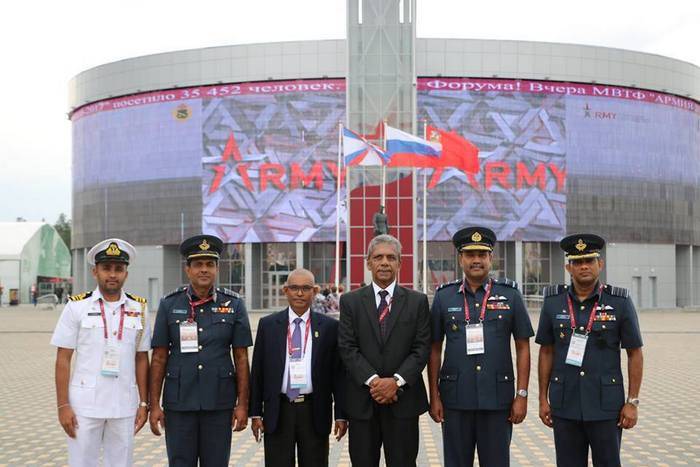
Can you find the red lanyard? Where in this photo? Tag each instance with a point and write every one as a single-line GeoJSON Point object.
{"type": "Point", "coordinates": [291, 349]}
{"type": "Point", "coordinates": [487, 292]}
{"type": "Point", "coordinates": [104, 320]}
{"type": "Point", "coordinates": [195, 304]}
{"type": "Point", "coordinates": [386, 310]}
{"type": "Point", "coordinates": [591, 317]}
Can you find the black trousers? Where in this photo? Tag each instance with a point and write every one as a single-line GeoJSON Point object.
{"type": "Point", "coordinates": [487, 430]}
{"type": "Point", "coordinates": [573, 437]}
{"type": "Point", "coordinates": [295, 429]}
{"type": "Point", "coordinates": [203, 435]}
{"type": "Point", "coordinates": [399, 436]}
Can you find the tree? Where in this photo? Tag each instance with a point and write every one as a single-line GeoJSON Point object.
{"type": "Point", "coordinates": [64, 227]}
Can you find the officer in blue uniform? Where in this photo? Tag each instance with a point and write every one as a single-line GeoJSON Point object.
{"type": "Point", "coordinates": [205, 395]}
{"type": "Point", "coordinates": [581, 330]}
{"type": "Point", "coordinates": [473, 394]}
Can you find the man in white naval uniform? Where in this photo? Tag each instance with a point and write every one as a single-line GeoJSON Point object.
{"type": "Point", "coordinates": [106, 403]}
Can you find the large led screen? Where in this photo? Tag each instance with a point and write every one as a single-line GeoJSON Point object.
{"type": "Point", "coordinates": [266, 153]}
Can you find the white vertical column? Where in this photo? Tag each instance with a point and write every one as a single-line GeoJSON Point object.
{"type": "Point", "coordinates": [86, 272]}
{"type": "Point", "coordinates": [300, 255]}
{"type": "Point", "coordinates": [692, 298]}
{"type": "Point", "coordinates": [415, 231]}
{"type": "Point", "coordinates": [519, 263]}
{"type": "Point", "coordinates": [248, 275]}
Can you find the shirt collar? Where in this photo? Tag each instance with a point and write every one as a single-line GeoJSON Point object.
{"type": "Point", "coordinates": [96, 295]}
{"type": "Point", "coordinates": [389, 289]}
{"type": "Point", "coordinates": [464, 281]}
{"type": "Point", "coordinates": [190, 293]}
{"type": "Point", "coordinates": [592, 295]}
{"type": "Point", "coordinates": [292, 316]}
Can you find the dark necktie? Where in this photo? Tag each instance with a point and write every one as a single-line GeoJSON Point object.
{"type": "Point", "coordinates": [293, 393]}
{"type": "Point", "coordinates": [383, 305]}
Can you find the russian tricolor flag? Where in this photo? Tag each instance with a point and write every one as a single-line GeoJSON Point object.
{"type": "Point", "coordinates": [405, 150]}
{"type": "Point", "coordinates": [359, 151]}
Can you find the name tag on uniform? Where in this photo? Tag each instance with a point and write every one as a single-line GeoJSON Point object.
{"type": "Point", "coordinates": [475, 339]}
{"type": "Point", "coordinates": [297, 373]}
{"type": "Point", "coordinates": [454, 309]}
{"type": "Point", "coordinates": [188, 337]}
{"type": "Point", "coordinates": [577, 349]}
{"type": "Point", "coordinates": [110, 360]}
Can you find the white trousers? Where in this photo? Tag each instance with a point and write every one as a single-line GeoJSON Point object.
{"type": "Point", "coordinates": [114, 435]}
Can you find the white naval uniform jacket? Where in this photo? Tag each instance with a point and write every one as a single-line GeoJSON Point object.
{"type": "Point", "coordinates": [81, 328]}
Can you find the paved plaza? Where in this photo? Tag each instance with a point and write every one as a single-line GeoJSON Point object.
{"type": "Point", "coordinates": [667, 433]}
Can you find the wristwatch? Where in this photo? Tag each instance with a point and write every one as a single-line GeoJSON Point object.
{"type": "Point", "coordinates": [522, 392]}
{"type": "Point", "coordinates": [143, 404]}
{"type": "Point", "coordinates": [399, 391]}
{"type": "Point", "coordinates": [633, 400]}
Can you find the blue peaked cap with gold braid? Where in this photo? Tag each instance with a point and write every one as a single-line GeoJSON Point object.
{"type": "Point", "coordinates": [202, 247]}
{"type": "Point", "coordinates": [582, 246]}
{"type": "Point", "coordinates": [474, 238]}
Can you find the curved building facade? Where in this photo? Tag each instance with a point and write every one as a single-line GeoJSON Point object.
{"type": "Point", "coordinates": [242, 141]}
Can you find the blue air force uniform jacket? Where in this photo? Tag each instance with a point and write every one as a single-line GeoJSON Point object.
{"type": "Point", "coordinates": [485, 381]}
{"type": "Point", "coordinates": [203, 380]}
{"type": "Point", "coordinates": [594, 391]}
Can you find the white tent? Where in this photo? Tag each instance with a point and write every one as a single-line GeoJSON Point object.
{"type": "Point", "coordinates": [29, 250]}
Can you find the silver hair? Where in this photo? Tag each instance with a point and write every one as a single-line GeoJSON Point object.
{"type": "Point", "coordinates": [385, 238]}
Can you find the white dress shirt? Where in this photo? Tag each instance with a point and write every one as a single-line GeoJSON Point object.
{"type": "Point", "coordinates": [378, 298]}
{"type": "Point", "coordinates": [377, 289]}
{"type": "Point", "coordinates": [81, 328]}
{"type": "Point", "coordinates": [306, 356]}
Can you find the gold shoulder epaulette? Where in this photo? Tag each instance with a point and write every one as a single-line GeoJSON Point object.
{"type": "Point", "coordinates": [136, 298]}
{"type": "Point", "coordinates": [80, 296]}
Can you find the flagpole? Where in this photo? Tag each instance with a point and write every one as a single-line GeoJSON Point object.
{"type": "Point", "coordinates": [383, 187]}
{"type": "Point", "coordinates": [337, 206]}
{"type": "Point", "coordinates": [425, 217]}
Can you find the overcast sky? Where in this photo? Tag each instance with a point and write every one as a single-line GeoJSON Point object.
{"type": "Point", "coordinates": [43, 44]}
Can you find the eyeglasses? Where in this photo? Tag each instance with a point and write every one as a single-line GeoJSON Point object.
{"type": "Point", "coordinates": [303, 288]}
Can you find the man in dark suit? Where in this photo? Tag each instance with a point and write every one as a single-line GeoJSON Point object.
{"type": "Point", "coordinates": [296, 375]}
{"type": "Point", "coordinates": [384, 342]}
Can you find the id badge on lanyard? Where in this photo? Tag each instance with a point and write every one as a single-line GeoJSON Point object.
{"type": "Point", "coordinates": [298, 378]}
{"type": "Point", "coordinates": [110, 360]}
{"type": "Point", "coordinates": [111, 351]}
{"type": "Point", "coordinates": [189, 339]}
{"type": "Point", "coordinates": [475, 332]}
{"type": "Point", "coordinates": [297, 373]}
{"type": "Point", "coordinates": [577, 349]}
{"type": "Point", "coordinates": [577, 345]}
{"type": "Point", "coordinates": [475, 339]}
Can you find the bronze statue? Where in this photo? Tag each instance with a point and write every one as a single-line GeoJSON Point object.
{"type": "Point", "coordinates": [380, 222]}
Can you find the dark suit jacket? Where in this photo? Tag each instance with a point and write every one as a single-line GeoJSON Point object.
{"type": "Point", "coordinates": [404, 350]}
{"type": "Point", "coordinates": [268, 369]}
